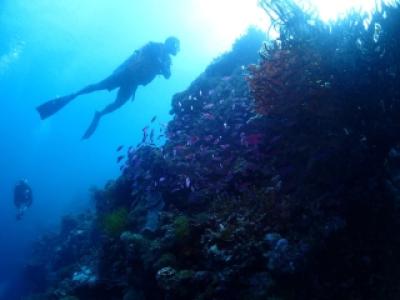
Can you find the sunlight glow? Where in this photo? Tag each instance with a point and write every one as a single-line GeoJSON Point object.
{"type": "Point", "coordinates": [331, 10]}
{"type": "Point", "coordinates": [233, 15]}
{"type": "Point", "coordinates": [227, 19]}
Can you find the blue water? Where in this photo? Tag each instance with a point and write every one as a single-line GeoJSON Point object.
{"type": "Point", "coordinates": [50, 48]}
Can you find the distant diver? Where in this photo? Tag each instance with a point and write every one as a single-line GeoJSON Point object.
{"type": "Point", "coordinates": [22, 197]}
{"type": "Point", "coordinates": [139, 69]}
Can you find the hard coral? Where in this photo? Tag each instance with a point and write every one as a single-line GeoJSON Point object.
{"type": "Point", "coordinates": [115, 222]}
{"type": "Point", "coordinates": [182, 228]}
{"type": "Point", "coordinates": [288, 76]}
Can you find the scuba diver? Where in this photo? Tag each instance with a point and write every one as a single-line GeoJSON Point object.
{"type": "Point", "coordinates": [22, 197]}
{"type": "Point", "coordinates": [139, 69]}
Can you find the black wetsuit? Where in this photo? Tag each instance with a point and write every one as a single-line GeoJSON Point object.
{"type": "Point", "coordinates": [139, 69]}
{"type": "Point", "coordinates": [22, 197]}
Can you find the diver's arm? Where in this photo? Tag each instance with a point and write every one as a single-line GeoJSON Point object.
{"type": "Point", "coordinates": [167, 74]}
{"type": "Point", "coordinates": [166, 68]}
{"type": "Point", "coordinates": [30, 198]}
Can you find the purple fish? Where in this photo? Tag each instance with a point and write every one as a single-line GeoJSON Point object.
{"type": "Point", "coordinates": [145, 134]}
{"type": "Point", "coordinates": [187, 182]}
{"type": "Point", "coordinates": [152, 136]}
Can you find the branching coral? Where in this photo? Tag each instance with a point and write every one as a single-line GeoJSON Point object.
{"type": "Point", "coordinates": [312, 61]}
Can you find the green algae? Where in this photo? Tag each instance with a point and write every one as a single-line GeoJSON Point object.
{"type": "Point", "coordinates": [182, 228]}
{"type": "Point", "coordinates": [115, 222]}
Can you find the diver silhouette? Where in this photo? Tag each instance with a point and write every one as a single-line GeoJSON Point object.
{"type": "Point", "coordinates": [139, 69]}
{"type": "Point", "coordinates": [22, 197]}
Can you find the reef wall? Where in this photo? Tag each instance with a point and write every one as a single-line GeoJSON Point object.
{"type": "Point", "coordinates": [278, 178]}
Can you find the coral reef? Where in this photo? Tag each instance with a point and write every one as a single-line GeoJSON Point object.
{"type": "Point", "coordinates": [279, 178]}
{"type": "Point", "coordinates": [116, 221]}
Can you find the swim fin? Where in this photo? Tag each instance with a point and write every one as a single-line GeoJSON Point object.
{"type": "Point", "coordinates": [49, 108]}
{"type": "Point", "coordinates": [92, 126]}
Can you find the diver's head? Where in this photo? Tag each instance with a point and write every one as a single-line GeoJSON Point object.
{"type": "Point", "coordinates": [23, 181]}
{"type": "Point", "coordinates": [172, 45]}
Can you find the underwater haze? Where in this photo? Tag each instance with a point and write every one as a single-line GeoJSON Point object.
{"type": "Point", "coordinates": [266, 167]}
{"type": "Point", "coordinates": [50, 48]}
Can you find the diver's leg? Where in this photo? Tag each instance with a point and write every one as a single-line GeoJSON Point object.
{"type": "Point", "coordinates": [49, 108]}
{"type": "Point", "coordinates": [20, 213]}
{"type": "Point", "coordinates": [102, 85]}
{"type": "Point", "coordinates": [109, 83]}
{"type": "Point", "coordinates": [124, 93]}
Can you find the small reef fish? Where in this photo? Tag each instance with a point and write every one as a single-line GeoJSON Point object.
{"type": "Point", "coordinates": [120, 148]}
{"type": "Point", "coordinates": [187, 182]}
{"type": "Point", "coordinates": [179, 147]}
{"type": "Point", "coordinates": [189, 156]}
{"type": "Point", "coordinates": [153, 119]}
{"type": "Point", "coordinates": [208, 138]}
{"type": "Point", "coordinates": [151, 136]}
{"type": "Point", "coordinates": [252, 139]}
{"type": "Point", "coordinates": [208, 116]}
{"type": "Point", "coordinates": [192, 140]}
{"type": "Point", "coordinates": [119, 158]}
{"type": "Point", "coordinates": [144, 134]}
